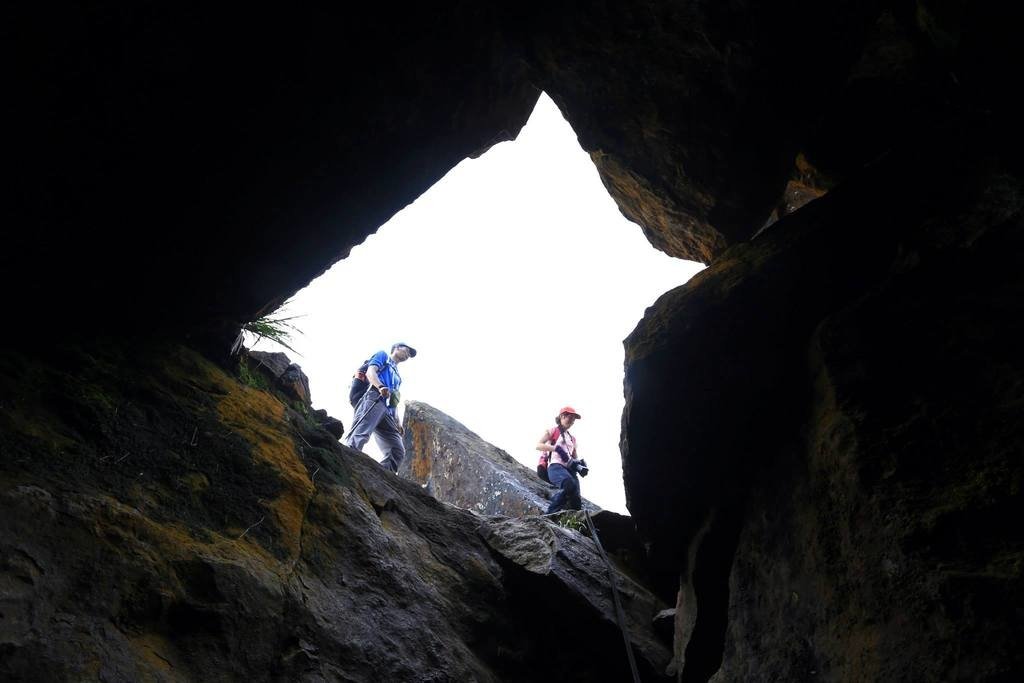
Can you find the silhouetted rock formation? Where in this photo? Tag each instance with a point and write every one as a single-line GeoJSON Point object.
{"type": "Point", "coordinates": [458, 467]}
{"type": "Point", "coordinates": [834, 469]}
{"type": "Point", "coordinates": [554, 562]}
{"type": "Point", "coordinates": [199, 529]}
{"type": "Point", "coordinates": [852, 465]}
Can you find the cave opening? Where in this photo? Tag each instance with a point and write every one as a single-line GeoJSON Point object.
{"type": "Point", "coordinates": [517, 278]}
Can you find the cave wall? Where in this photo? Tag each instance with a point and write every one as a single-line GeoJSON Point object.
{"type": "Point", "coordinates": [211, 162]}
{"type": "Point", "coordinates": [822, 430]}
{"type": "Point", "coordinates": [180, 169]}
{"type": "Point", "coordinates": [878, 547]}
{"type": "Point", "coordinates": [694, 113]}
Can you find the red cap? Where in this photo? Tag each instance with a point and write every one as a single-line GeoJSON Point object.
{"type": "Point", "coordinates": [569, 410]}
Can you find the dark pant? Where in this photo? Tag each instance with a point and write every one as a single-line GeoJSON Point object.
{"type": "Point", "coordinates": [373, 417]}
{"type": "Point", "coordinates": [568, 495]}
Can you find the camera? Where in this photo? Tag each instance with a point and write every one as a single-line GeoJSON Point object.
{"type": "Point", "coordinates": [580, 467]}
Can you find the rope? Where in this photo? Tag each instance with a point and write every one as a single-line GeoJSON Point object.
{"type": "Point", "coordinates": [620, 616]}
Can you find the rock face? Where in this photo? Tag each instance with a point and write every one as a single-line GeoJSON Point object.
{"type": "Point", "coordinates": [276, 373]}
{"type": "Point", "coordinates": [693, 89]}
{"type": "Point", "coordinates": [229, 139]}
{"type": "Point", "coordinates": [456, 466]}
{"type": "Point", "coordinates": [287, 374]}
{"type": "Point", "coordinates": [839, 480]}
{"type": "Point", "coordinates": [835, 484]}
{"type": "Point", "coordinates": [550, 553]}
{"type": "Point", "coordinates": [199, 529]}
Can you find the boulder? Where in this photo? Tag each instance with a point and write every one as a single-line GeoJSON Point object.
{"type": "Point", "coordinates": [460, 468]}
{"type": "Point", "coordinates": [558, 561]}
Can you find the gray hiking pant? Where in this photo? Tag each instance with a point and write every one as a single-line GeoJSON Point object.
{"type": "Point", "coordinates": [372, 417]}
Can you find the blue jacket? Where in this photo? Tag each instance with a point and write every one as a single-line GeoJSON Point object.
{"type": "Point", "coordinates": [387, 371]}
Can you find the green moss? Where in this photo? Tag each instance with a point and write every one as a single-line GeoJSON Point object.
{"type": "Point", "coordinates": [249, 377]}
{"type": "Point", "coordinates": [573, 519]}
{"type": "Point", "coordinates": [139, 424]}
{"type": "Point", "coordinates": [306, 412]}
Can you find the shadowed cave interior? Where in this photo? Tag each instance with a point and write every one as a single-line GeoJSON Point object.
{"type": "Point", "coordinates": [832, 496]}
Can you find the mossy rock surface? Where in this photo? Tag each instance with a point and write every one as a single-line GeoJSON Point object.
{"type": "Point", "coordinates": [162, 520]}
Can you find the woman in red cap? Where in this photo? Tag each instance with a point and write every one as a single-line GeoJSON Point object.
{"type": "Point", "coordinates": [563, 464]}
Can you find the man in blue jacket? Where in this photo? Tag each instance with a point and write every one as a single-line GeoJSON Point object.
{"type": "Point", "coordinates": [375, 411]}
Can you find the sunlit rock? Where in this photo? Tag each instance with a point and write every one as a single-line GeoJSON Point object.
{"type": "Point", "coordinates": [460, 468]}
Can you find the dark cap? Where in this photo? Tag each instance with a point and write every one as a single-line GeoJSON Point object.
{"type": "Point", "coordinates": [412, 351]}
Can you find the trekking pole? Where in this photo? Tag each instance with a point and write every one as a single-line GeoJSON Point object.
{"type": "Point", "coordinates": [620, 616]}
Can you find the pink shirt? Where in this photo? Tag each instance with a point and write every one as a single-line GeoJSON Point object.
{"type": "Point", "coordinates": [567, 441]}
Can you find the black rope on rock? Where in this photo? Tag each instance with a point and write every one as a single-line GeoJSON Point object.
{"type": "Point", "coordinates": [620, 615]}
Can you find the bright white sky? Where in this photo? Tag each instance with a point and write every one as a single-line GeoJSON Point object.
{"type": "Point", "coordinates": [516, 278]}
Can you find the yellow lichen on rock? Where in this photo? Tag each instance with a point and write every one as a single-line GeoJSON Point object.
{"type": "Point", "coordinates": [260, 419]}
{"type": "Point", "coordinates": [421, 457]}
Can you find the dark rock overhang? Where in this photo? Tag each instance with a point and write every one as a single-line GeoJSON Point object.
{"type": "Point", "coordinates": [181, 169]}
{"type": "Point", "coordinates": [187, 166]}
{"type": "Point", "coordinates": [190, 167]}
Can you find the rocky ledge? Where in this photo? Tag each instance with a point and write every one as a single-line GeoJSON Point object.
{"type": "Point", "coordinates": [162, 520]}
